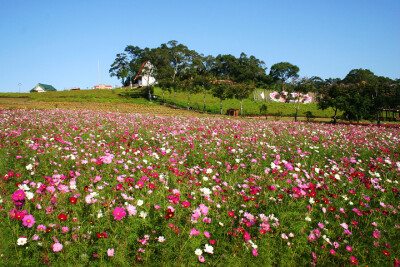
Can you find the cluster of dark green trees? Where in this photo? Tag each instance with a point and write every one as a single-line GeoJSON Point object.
{"type": "Point", "coordinates": [360, 95]}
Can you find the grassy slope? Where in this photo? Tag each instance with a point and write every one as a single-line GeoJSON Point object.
{"type": "Point", "coordinates": [250, 107]}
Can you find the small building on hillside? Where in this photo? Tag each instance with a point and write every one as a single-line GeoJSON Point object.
{"type": "Point", "coordinates": [102, 86]}
{"type": "Point", "coordinates": [41, 88]}
{"type": "Point", "coordinates": [145, 75]}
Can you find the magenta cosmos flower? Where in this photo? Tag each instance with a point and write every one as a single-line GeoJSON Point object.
{"type": "Point", "coordinates": [119, 213]}
{"type": "Point", "coordinates": [28, 220]}
{"type": "Point", "coordinates": [18, 195]}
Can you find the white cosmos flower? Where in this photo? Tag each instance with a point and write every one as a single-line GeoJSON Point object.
{"type": "Point", "coordinates": [198, 252]}
{"type": "Point", "coordinates": [29, 195]}
{"type": "Point", "coordinates": [29, 167]}
{"type": "Point", "coordinates": [161, 239]}
{"type": "Point", "coordinates": [22, 241]}
{"type": "Point", "coordinates": [23, 187]}
{"type": "Point", "coordinates": [209, 249]}
{"type": "Point", "coordinates": [143, 214]}
{"type": "Point", "coordinates": [140, 202]}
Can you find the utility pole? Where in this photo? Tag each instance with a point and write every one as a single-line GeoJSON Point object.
{"type": "Point", "coordinates": [98, 70]}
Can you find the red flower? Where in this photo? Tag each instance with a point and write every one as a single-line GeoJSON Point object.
{"type": "Point", "coordinates": [185, 204]}
{"type": "Point", "coordinates": [386, 253]}
{"type": "Point", "coordinates": [62, 217]}
{"type": "Point", "coordinates": [169, 215]}
{"type": "Point", "coordinates": [73, 200]}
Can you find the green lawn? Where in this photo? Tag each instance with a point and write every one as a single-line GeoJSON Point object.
{"type": "Point", "coordinates": [250, 107]}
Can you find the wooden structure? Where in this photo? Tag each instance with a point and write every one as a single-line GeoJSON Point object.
{"type": "Point", "coordinates": [232, 112]}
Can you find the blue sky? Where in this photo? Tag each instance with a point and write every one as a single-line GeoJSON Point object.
{"type": "Point", "coordinates": [61, 42]}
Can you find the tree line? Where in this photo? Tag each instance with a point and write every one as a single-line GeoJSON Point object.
{"type": "Point", "coordinates": [360, 95]}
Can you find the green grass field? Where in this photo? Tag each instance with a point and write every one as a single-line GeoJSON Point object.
{"type": "Point", "coordinates": [250, 107]}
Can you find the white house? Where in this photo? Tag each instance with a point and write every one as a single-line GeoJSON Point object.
{"type": "Point", "coordinates": [145, 75]}
{"type": "Point", "coordinates": [41, 88]}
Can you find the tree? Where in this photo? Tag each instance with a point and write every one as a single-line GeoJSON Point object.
{"type": "Point", "coordinates": [281, 72]}
{"type": "Point", "coordinates": [264, 111]}
{"type": "Point", "coordinates": [179, 58]}
{"type": "Point", "coordinates": [331, 96]}
{"type": "Point", "coordinates": [127, 65]}
{"type": "Point", "coordinates": [242, 91]}
{"type": "Point", "coordinates": [203, 75]}
{"type": "Point", "coordinates": [220, 89]}
{"type": "Point", "coordinates": [245, 71]}
{"type": "Point", "coordinates": [120, 67]}
{"type": "Point", "coordinates": [159, 57]}
{"type": "Point", "coordinates": [226, 67]}
{"type": "Point", "coordinates": [358, 76]}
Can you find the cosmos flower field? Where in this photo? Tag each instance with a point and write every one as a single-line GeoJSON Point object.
{"type": "Point", "coordinates": [106, 188]}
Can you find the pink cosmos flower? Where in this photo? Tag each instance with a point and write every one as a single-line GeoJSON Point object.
{"type": "Point", "coordinates": [206, 234]}
{"type": "Point", "coordinates": [255, 252]}
{"type": "Point", "coordinates": [119, 213]}
{"type": "Point", "coordinates": [131, 209]}
{"type": "Point", "coordinates": [171, 208]}
{"type": "Point", "coordinates": [289, 166]}
{"type": "Point", "coordinates": [110, 252]}
{"type": "Point", "coordinates": [333, 252]}
{"type": "Point", "coordinates": [49, 210]}
{"type": "Point", "coordinates": [65, 229]}
{"type": "Point", "coordinates": [348, 248]}
{"type": "Point", "coordinates": [246, 236]}
{"type": "Point", "coordinates": [57, 247]}
{"type": "Point", "coordinates": [203, 209]}
{"type": "Point", "coordinates": [41, 227]}
{"type": "Point", "coordinates": [12, 213]}
{"type": "Point", "coordinates": [347, 232]}
{"type": "Point", "coordinates": [201, 259]}
{"type": "Point", "coordinates": [140, 184]}
{"type": "Point", "coordinates": [353, 260]}
{"type": "Point", "coordinates": [194, 232]}
{"type": "Point", "coordinates": [28, 221]}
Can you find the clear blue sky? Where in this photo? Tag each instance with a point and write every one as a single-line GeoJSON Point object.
{"type": "Point", "coordinates": [60, 42]}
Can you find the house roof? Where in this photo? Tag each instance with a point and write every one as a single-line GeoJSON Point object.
{"type": "Point", "coordinates": [46, 87]}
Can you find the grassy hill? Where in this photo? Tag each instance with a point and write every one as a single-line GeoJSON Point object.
{"type": "Point", "coordinates": [128, 96]}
